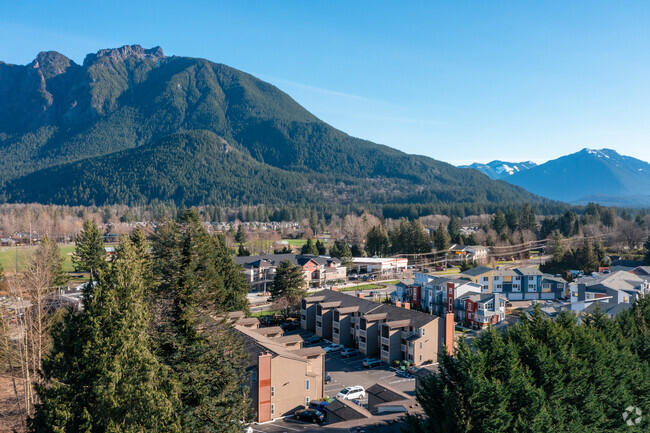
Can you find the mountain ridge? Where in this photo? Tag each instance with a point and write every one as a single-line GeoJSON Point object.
{"type": "Point", "coordinates": [68, 117]}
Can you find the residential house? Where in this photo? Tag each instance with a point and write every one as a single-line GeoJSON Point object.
{"type": "Point", "coordinates": [481, 275]}
{"type": "Point", "coordinates": [259, 271]}
{"type": "Point", "coordinates": [468, 253]}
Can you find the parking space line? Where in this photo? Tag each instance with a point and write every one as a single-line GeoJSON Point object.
{"type": "Point", "coordinates": [385, 377]}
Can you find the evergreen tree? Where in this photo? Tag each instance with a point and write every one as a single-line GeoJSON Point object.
{"type": "Point", "coordinates": [289, 283]}
{"type": "Point", "coordinates": [309, 248]}
{"type": "Point", "coordinates": [441, 238]}
{"type": "Point", "coordinates": [586, 257]}
{"type": "Point", "coordinates": [240, 236]}
{"type": "Point", "coordinates": [235, 286]}
{"type": "Point", "coordinates": [527, 218]}
{"type": "Point", "coordinates": [556, 247]}
{"type": "Point", "coordinates": [89, 254]}
{"type": "Point", "coordinates": [101, 374]}
{"type": "Point", "coordinates": [242, 251]}
{"type": "Point", "coordinates": [499, 222]}
{"type": "Point", "coordinates": [646, 248]}
{"type": "Point", "coordinates": [142, 247]}
{"type": "Point", "coordinates": [320, 248]}
{"type": "Point", "coordinates": [341, 251]}
{"type": "Point", "coordinates": [512, 219]}
{"type": "Point", "coordinates": [377, 242]}
{"type": "Point", "coordinates": [454, 230]}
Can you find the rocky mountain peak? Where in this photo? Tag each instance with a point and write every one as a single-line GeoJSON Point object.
{"type": "Point", "coordinates": [123, 53]}
{"type": "Point", "coordinates": [51, 63]}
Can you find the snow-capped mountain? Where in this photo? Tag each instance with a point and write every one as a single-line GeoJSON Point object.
{"type": "Point", "coordinates": [500, 169]}
{"type": "Point", "coordinates": [600, 175]}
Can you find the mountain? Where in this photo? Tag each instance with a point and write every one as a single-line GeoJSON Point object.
{"type": "Point", "coordinates": [131, 125]}
{"type": "Point", "coordinates": [500, 170]}
{"type": "Point", "coordinates": [602, 176]}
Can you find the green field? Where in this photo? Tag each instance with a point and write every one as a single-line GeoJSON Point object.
{"type": "Point", "coordinates": [362, 287]}
{"type": "Point", "coordinates": [15, 258]}
{"type": "Point", "coordinates": [296, 242]}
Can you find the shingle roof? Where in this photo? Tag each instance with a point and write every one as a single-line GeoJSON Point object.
{"type": "Point", "coordinates": [475, 272]}
{"type": "Point", "coordinates": [386, 393]}
{"type": "Point", "coordinates": [417, 318]}
{"type": "Point", "coordinates": [528, 271]}
{"type": "Point", "coordinates": [276, 259]}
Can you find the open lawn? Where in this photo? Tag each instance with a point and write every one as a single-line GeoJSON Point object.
{"type": "Point", "coordinates": [264, 313]}
{"type": "Point", "coordinates": [296, 242]}
{"type": "Point", "coordinates": [15, 258]}
{"type": "Point", "coordinates": [362, 287]}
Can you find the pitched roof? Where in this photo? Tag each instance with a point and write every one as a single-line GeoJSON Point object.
{"type": "Point", "coordinates": [528, 271]}
{"type": "Point", "coordinates": [479, 270]}
{"type": "Point", "coordinates": [267, 260]}
{"type": "Point", "coordinates": [386, 393]}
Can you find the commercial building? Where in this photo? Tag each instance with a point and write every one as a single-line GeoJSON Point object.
{"type": "Point", "coordinates": [382, 330]}
{"type": "Point", "coordinates": [283, 376]}
{"type": "Point", "coordinates": [379, 265]}
{"type": "Point", "coordinates": [259, 271]}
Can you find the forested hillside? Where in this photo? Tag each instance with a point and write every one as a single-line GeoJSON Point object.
{"type": "Point", "coordinates": [133, 126]}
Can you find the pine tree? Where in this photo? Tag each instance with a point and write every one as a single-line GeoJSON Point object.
{"type": "Point", "coordinates": [512, 219]}
{"type": "Point", "coordinates": [441, 238]}
{"type": "Point", "coordinates": [289, 282]}
{"type": "Point", "coordinates": [454, 229]}
{"type": "Point", "coordinates": [556, 247]}
{"type": "Point", "coordinates": [377, 242]}
{"type": "Point", "coordinates": [499, 222]}
{"type": "Point", "coordinates": [101, 374]}
{"type": "Point", "coordinates": [309, 248]}
{"type": "Point", "coordinates": [89, 254]}
{"type": "Point", "coordinates": [240, 236]}
{"type": "Point", "coordinates": [646, 248]}
{"type": "Point", "coordinates": [234, 284]}
{"type": "Point", "coordinates": [320, 247]}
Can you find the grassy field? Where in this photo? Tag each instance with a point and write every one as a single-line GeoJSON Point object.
{"type": "Point", "coordinates": [12, 258]}
{"type": "Point", "coordinates": [362, 287]}
{"type": "Point", "coordinates": [296, 242]}
{"type": "Point", "coordinates": [264, 313]}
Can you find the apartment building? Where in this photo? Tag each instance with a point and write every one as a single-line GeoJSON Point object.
{"type": "Point", "coordinates": [518, 284]}
{"type": "Point", "coordinates": [283, 376]}
{"type": "Point", "coordinates": [259, 271]}
{"type": "Point", "coordinates": [478, 310]}
{"type": "Point", "coordinates": [614, 288]}
{"type": "Point", "coordinates": [382, 330]}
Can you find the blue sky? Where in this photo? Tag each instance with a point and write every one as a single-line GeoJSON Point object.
{"type": "Point", "coordinates": [459, 81]}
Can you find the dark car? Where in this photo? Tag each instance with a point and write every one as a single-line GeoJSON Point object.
{"type": "Point", "coordinates": [327, 378]}
{"type": "Point", "coordinates": [347, 352]}
{"type": "Point", "coordinates": [310, 415]}
{"type": "Point", "coordinates": [318, 404]}
{"type": "Point", "coordinates": [311, 340]}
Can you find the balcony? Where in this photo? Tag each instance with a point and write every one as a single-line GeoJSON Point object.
{"type": "Point", "coordinates": [361, 332]}
{"type": "Point", "coordinates": [385, 340]}
{"type": "Point", "coordinates": [362, 346]}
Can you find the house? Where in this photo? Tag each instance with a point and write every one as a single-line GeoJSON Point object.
{"type": "Point", "coordinates": [469, 253]}
{"type": "Point", "coordinates": [481, 275]}
{"type": "Point", "coordinates": [379, 265]}
{"type": "Point", "coordinates": [478, 310]}
{"type": "Point", "coordinates": [283, 376]}
{"type": "Point", "coordinates": [383, 330]}
{"type": "Point", "coordinates": [259, 271]}
{"type": "Point", "coordinates": [618, 287]}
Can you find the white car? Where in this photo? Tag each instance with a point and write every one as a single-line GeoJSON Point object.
{"type": "Point", "coordinates": [352, 393]}
{"type": "Point", "coordinates": [332, 348]}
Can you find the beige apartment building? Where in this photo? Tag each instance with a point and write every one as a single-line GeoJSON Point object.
{"type": "Point", "coordinates": [283, 376]}
{"type": "Point", "coordinates": [385, 331]}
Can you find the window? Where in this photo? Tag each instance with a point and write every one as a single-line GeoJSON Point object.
{"type": "Point", "coordinates": [486, 278]}
{"type": "Point", "coordinates": [272, 409]}
{"type": "Point", "coordinates": [307, 401]}
{"type": "Point", "coordinates": [420, 358]}
{"type": "Point", "coordinates": [423, 332]}
{"type": "Point", "coordinates": [420, 345]}
{"type": "Point", "coordinates": [498, 286]}
{"type": "Point", "coordinates": [517, 278]}
{"type": "Point", "coordinates": [273, 391]}
{"type": "Point", "coordinates": [307, 385]}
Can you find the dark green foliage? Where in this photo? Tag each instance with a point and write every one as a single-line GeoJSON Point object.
{"type": "Point", "coordinates": [512, 219]}
{"type": "Point", "coordinates": [377, 242]}
{"type": "Point", "coordinates": [454, 230]}
{"type": "Point", "coordinates": [555, 246]}
{"type": "Point", "coordinates": [646, 248]}
{"type": "Point", "coordinates": [409, 237]}
{"type": "Point", "coordinates": [101, 374]}
{"type": "Point", "coordinates": [441, 238]}
{"type": "Point", "coordinates": [243, 251]}
{"type": "Point", "coordinates": [288, 284]}
{"type": "Point", "coordinates": [309, 248]}
{"type": "Point", "coordinates": [341, 251]}
{"type": "Point", "coordinates": [499, 222]}
{"type": "Point", "coordinates": [283, 250]}
{"type": "Point", "coordinates": [544, 376]}
{"type": "Point", "coordinates": [89, 254]}
{"type": "Point", "coordinates": [187, 131]}
{"type": "Point", "coordinates": [465, 265]}
{"type": "Point", "coordinates": [527, 218]}
{"type": "Point", "coordinates": [240, 236]}
{"type": "Point", "coordinates": [320, 248]}
{"type": "Point", "coordinates": [587, 257]}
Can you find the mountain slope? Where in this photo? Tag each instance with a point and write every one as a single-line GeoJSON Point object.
{"type": "Point", "coordinates": [116, 130]}
{"type": "Point", "coordinates": [500, 170]}
{"type": "Point", "coordinates": [590, 175]}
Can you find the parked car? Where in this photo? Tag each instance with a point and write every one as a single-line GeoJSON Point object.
{"type": "Point", "coordinates": [374, 293]}
{"type": "Point", "coordinates": [318, 404]}
{"type": "Point", "coordinates": [347, 352]}
{"type": "Point", "coordinates": [310, 415]}
{"type": "Point", "coordinates": [439, 268]}
{"type": "Point", "coordinates": [327, 378]}
{"type": "Point", "coordinates": [332, 348]}
{"type": "Point", "coordinates": [311, 340]}
{"type": "Point", "coordinates": [352, 393]}
{"type": "Point", "coordinates": [370, 363]}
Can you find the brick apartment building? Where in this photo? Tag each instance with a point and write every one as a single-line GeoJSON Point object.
{"type": "Point", "coordinates": [386, 331]}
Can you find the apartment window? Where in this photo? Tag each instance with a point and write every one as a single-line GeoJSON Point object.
{"type": "Point", "coordinates": [423, 332]}
{"type": "Point", "coordinates": [517, 278]}
{"type": "Point", "coordinates": [420, 358]}
{"type": "Point", "coordinates": [532, 287]}
{"type": "Point", "coordinates": [254, 376]}
{"type": "Point", "coordinates": [307, 385]}
{"type": "Point", "coordinates": [272, 409]}
{"type": "Point", "coordinates": [306, 401]}
{"type": "Point", "coordinates": [384, 348]}
{"type": "Point", "coordinates": [420, 345]}
{"type": "Point", "coordinates": [273, 391]}
{"type": "Point", "coordinates": [336, 330]}
{"type": "Point", "coordinates": [498, 286]}
{"type": "Point", "coordinates": [486, 279]}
